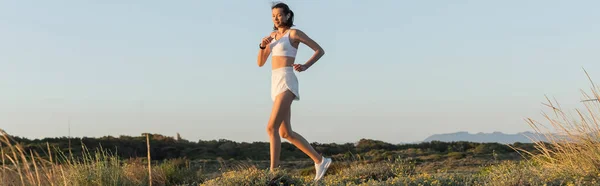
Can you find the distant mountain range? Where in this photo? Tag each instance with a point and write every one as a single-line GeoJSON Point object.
{"type": "Point", "coordinates": [480, 137]}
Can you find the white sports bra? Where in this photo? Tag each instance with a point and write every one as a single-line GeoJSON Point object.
{"type": "Point", "coordinates": [283, 46]}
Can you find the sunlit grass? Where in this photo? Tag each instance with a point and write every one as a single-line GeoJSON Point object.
{"type": "Point", "coordinates": [574, 141]}
{"type": "Point", "coordinates": [98, 168]}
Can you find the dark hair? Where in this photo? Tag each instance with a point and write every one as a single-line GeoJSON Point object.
{"type": "Point", "coordinates": [286, 10]}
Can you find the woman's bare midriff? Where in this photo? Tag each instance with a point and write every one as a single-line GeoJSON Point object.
{"type": "Point", "coordinates": [281, 61]}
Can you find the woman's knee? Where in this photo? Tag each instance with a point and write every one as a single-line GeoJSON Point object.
{"type": "Point", "coordinates": [272, 130]}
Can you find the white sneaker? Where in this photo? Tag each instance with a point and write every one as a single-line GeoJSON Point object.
{"type": "Point", "coordinates": [322, 168]}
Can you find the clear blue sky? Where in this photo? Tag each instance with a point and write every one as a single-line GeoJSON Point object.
{"type": "Point", "coordinates": [396, 71]}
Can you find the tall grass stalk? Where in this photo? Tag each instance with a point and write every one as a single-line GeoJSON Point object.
{"type": "Point", "coordinates": [99, 167]}
{"type": "Point", "coordinates": [573, 148]}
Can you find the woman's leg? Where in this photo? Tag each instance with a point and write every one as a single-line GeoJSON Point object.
{"type": "Point", "coordinates": [286, 132]}
{"type": "Point", "coordinates": [281, 107]}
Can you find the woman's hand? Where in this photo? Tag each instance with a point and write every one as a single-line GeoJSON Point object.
{"type": "Point", "coordinates": [265, 41]}
{"type": "Point", "coordinates": [264, 53]}
{"type": "Point", "coordinates": [300, 67]}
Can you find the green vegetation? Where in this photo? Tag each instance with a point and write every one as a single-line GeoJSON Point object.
{"type": "Point", "coordinates": [165, 147]}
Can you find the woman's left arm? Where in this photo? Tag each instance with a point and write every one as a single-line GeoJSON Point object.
{"type": "Point", "coordinates": [303, 38]}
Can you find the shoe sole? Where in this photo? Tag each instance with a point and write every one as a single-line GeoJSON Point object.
{"type": "Point", "coordinates": [324, 170]}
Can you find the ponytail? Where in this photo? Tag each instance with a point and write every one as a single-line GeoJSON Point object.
{"type": "Point", "coordinates": [291, 18]}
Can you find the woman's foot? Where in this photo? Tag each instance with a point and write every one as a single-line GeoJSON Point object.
{"type": "Point", "coordinates": [322, 167]}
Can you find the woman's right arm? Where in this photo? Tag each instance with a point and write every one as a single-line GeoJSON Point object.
{"type": "Point", "coordinates": [263, 54]}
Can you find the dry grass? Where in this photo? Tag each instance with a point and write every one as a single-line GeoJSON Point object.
{"type": "Point", "coordinates": [573, 148]}
{"type": "Point", "coordinates": [344, 173]}
{"type": "Point", "coordinates": [99, 168]}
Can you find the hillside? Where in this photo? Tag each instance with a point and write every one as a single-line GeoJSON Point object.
{"type": "Point", "coordinates": [495, 137]}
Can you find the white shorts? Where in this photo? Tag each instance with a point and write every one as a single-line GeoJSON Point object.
{"type": "Point", "coordinates": [283, 79]}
